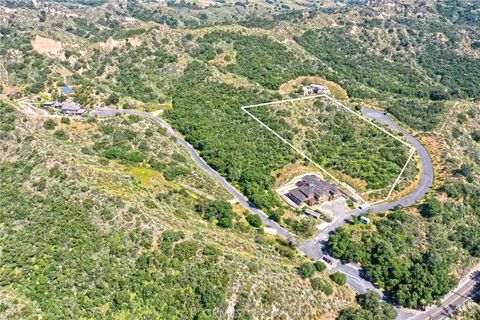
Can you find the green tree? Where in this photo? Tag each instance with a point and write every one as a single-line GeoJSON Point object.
{"type": "Point", "coordinates": [306, 270]}
{"type": "Point", "coordinates": [112, 99]}
{"type": "Point", "coordinates": [49, 124]}
{"type": "Point", "coordinates": [339, 278]}
{"type": "Point", "coordinates": [319, 265]}
{"type": "Point", "coordinates": [432, 208]}
{"type": "Point", "coordinates": [254, 220]}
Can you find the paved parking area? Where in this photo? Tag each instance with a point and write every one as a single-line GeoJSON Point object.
{"type": "Point", "coordinates": [335, 208]}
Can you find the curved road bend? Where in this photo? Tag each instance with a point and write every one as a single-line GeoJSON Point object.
{"type": "Point", "coordinates": [426, 181]}
{"type": "Point", "coordinates": [313, 248]}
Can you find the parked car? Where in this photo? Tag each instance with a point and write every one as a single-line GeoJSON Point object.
{"type": "Point", "coordinates": [327, 259]}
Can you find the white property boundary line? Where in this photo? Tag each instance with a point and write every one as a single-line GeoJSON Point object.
{"type": "Point", "coordinates": [346, 186]}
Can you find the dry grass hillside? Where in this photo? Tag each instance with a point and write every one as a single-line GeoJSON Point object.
{"type": "Point", "coordinates": [122, 200]}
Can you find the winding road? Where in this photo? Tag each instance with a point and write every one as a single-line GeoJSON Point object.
{"type": "Point", "coordinates": [282, 232]}
{"type": "Point", "coordinates": [315, 248]}
{"type": "Point", "coordinates": [426, 180]}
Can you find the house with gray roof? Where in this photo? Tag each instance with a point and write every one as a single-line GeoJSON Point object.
{"type": "Point", "coordinates": [315, 89]}
{"type": "Point", "coordinates": [67, 108]}
{"type": "Point", "coordinates": [311, 190]}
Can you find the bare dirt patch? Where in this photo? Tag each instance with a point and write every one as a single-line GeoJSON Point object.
{"type": "Point", "coordinates": [11, 90]}
{"type": "Point", "coordinates": [437, 149]}
{"type": "Point", "coordinates": [108, 45]}
{"type": "Point", "coordinates": [48, 47]}
{"type": "Point", "coordinates": [292, 170]}
{"type": "Point", "coordinates": [64, 72]}
{"type": "Point", "coordinates": [135, 41]}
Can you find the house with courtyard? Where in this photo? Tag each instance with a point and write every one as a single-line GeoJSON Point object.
{"type": "Point", "coordinates": [66, 108]}
{"type": "Point", "coordinates": [312, 191]}
{"type": "Point", "coordinates": [72, 108]}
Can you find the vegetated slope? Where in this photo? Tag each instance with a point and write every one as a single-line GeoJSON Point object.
{"type": "Point", "coordinates": [417, 258]}
{"type": "Point", "coordinates": [380, 53]}
{"type": "Point", "coordinates": [408, 57]}
{"type": "Point", "coordinates": [84, 236]}
{"type": "Point", "coordinates": [357, 68]}
{"type": "Point", "coordinates": [377, 52]}
{"type": "Point", "coordinates": [338, 140]}
{"type": "Point", "coordinates": [259, 58]}
{"type": "Point", "coordinates": [208, 113]}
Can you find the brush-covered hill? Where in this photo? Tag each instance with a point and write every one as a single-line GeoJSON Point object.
{"type": "Point", "coordinates": [114, 220]}
{"type": "Point", "coordinates": [88, 231]}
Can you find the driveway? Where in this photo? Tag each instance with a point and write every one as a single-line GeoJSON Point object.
{"type": "Point", "coordinates": [426, 181]}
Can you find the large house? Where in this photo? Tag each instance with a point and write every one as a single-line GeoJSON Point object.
{"type": "Point", "coordinates": [315, 89]}
{"type": "Point", "coordinates": [72, 108]}
{"type": "Point", "coordinates": [311, 190]}
{"type": "Point", "coordinates": [67, 108]}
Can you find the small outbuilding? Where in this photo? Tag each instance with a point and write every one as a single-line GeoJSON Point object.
{"type": "Point", "coordinates": [315, 89]}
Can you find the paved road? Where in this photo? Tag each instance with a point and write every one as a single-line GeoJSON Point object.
{"type": "Point", "coordinates": [466, 290]}
{"type": "Point", "coordinates": [426, 181]}
{"type": "Point", "coordinates": [103, 112]}
{"type": "Point", "coordinates": [315, 248]}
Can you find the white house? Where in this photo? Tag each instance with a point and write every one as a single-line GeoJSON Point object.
{"type": "Point", "coordinates": [315, 89]}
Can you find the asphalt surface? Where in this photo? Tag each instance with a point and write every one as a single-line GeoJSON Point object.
{"type": "Point", "coordinates": [426, 181]}
{"type": "Point", "coordinates": [466, 290]}
{"type": "Point", "coordinates": [315, 248]}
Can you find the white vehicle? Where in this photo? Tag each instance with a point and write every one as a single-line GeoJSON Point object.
{"type": "Point", "coordinates": [364, 220]}
{"type": "Point", "coordinates": [365, 206]}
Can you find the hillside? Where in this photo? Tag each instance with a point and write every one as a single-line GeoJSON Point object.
{"type": "Point", "coordinates": [101, 237]}
{"type": "Point", "coordinates": [115, 220]}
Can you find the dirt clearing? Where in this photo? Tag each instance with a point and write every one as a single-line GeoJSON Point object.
{"type": "Point", "coordinates": [49, 47]}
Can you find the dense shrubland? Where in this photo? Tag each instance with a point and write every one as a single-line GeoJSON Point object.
{"type": "Point", "coordinates": [58, 240]}
{"type": "Point", "coordinates": [363, 73]}
{"type": "Point", "coordinates": [338, 140]}
{"type": "Point", "coordinates": [80, 238]}
{"type": "Point", "coordinates": [419, 114]}
{"type": "Point", "coordinates": [395, 258]}
{"type": "Point", "coordinates": [138, 73]}
{"type": "Point", "coordinates": [460, 12]}
{"type": "Point", "coordinates": [57, 244]}
{"type": "Point", "coordinates": [120, 140]}
{"type": "Point", "coordinates": [414, 66]}
{"type": "Point", "coordinates": [55, 253]}
{"type": "Point", "coordinates": [208, 114]}
{"type": "Point", "coordinates": [372, 307]}
{"type": "Point", "coordinates": [417, 258]}
{"type": "Point", "coordinates": [25, 66]}
{"type": "Point", "coordinates": [258, 58]}
{"type": "Point", "coordinates": [411, 257]}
